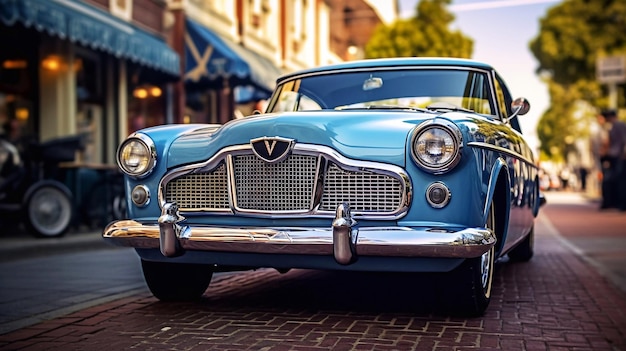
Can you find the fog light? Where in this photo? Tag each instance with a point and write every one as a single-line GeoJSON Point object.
{"type": "Point", "coordinates": [438, 195]}
{"type": "Point", "coordinates": [140, 195]}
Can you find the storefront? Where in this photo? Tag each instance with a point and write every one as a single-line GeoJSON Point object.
{"type": "Point", "coordinates": [221, 76]}
{"type": "Point", "coordinates": [68, 68]}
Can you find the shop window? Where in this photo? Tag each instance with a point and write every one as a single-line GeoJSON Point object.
{"type": "Point", "coordinates": [16, 120]}
{"type": "Point", "coordinates": [89, 105]}
{"type": "Point", "coordinates": [18, 67]}
{"type": "Point", "coordinates": [146, 106]}
{"type": "Point", "coordinates": [88, 77]}
{"type": "Point", "coordinates": [17, 61]}
{"type": "Point", "coordinates": [258, 15]}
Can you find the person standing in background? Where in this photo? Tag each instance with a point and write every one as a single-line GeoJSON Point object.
{"type": "Point", "coordinates": [614, 163]}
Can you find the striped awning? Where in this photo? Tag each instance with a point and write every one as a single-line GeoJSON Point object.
{"type": "Point", "coordinates": [89, 26]}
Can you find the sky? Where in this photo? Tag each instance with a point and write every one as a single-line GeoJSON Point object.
{"type": "Point", "coordinates": [502, 31]}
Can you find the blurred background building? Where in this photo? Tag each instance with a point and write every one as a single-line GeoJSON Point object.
{"type": "Point", "coordinates": [105, 68]}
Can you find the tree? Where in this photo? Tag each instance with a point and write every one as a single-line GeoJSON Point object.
{"type": "Point", "coordinates": [572, 36]}
{"type": "Point", "coordinates": [426, 34]}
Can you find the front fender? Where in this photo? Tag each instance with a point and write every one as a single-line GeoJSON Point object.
{"type": "Point", "coordinates": [499, 195]}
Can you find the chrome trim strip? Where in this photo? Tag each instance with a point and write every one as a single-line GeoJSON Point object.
{"type": "Point", "coordinates": [483, 145]}
{"type": "Point", "coordinates": [369, 69]}
{"type": "Point", "coordinates": [328, 154]}
{"type": "Point", "coordinates": [371, 241]}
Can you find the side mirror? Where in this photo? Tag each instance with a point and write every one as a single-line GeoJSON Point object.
{"type": "Point", "coordinates": [520, 107]}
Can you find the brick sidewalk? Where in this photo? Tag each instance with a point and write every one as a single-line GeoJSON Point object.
{"type": "Point", "coordinates": [557, 301]}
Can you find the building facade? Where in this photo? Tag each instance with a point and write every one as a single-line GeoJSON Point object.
{"type": "Point", "coordinates": [235, 49]}
{"type": "Point", "coordinates": [105, 68]}
{"type": "Point", "coordinates": [82, 67]}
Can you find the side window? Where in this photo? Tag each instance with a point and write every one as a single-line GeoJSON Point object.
{"type": "Point", "coordinates": [293, 101]}
{"type": "Point", "coordinates": [477, 94]}
{"type": "Point", "coordinates": [502, 105]}
{"type": "Point", "coordinates": [287, 101]}
{"type": "Point", "coordinates": [307, 104]}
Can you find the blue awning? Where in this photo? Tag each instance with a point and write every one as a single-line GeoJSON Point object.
{"type": "Point", "coordinates": [210, 58]}
{"type": "Point", "coordinates": [94, 28]}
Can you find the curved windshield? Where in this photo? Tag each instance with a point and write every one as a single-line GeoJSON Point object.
{"type": "Point", "coordinates": [409, 88]}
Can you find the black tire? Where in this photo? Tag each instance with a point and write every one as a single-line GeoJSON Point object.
{"type": "Point", "coordinates": [176, 281]}
{"type": "Point", "coordinates": [525, 250]}
{"type": "Point", "coordinates": [467, 289]}
{"type": "Point", "coordinates": [48, 209]}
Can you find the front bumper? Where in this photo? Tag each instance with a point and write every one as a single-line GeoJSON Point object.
{"type": "Point", "coordinates": [344, 240]}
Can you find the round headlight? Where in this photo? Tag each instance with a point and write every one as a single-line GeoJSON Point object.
{"type": "Point", "coordinates": [136, 156]}
{"type": "Point", "coordinates": [436, 146]}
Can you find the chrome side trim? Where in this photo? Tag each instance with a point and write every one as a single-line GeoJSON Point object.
{"type": "Point", "coordinates": [483, 145]}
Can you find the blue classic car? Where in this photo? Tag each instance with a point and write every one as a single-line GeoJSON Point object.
{"type": "Point", "coordinates": [386, 165]}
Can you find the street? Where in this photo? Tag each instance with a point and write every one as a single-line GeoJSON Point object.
{"type": "Point", "coordinates": [570, 296]}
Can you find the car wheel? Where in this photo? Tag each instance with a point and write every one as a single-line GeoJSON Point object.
{"type": "Point", "coordinates": [48, 209]}
{"type": "Point", "coordinates": [176, 281]}
{"type": "Point", "coordinates": [467, 290]}
{"type": "Point", "coordinates": [524, 251]}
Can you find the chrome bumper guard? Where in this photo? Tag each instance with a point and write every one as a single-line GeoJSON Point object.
{"type": "Point", "coordinates": [344, 240]}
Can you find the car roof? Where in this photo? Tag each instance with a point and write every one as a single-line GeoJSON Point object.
{"type": "Point", "coordinates": [391, 62]}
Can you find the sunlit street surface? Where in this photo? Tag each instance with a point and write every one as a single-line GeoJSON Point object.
{"type": "Point", "coordinates": [567, 297]}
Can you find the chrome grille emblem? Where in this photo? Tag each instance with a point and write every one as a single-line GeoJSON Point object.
{"type": "Point", "coordinates": [272, 149]}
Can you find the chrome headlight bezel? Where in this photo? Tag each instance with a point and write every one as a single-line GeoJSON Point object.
{"type": "Point", "coordinates": [447, 135]}
{"type": "Point", "coordinates": [137, 156]}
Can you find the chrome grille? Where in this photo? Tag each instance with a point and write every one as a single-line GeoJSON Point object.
{"type": "Point", "coordinates": [364, 191]}
{"type": "Point", "coordinates": [237, 181]}
{"type": "Point", "coordinates": [200, 191]}
{"type": "Point", "coordinates": [282, 186]}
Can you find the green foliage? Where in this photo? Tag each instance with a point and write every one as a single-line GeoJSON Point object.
{"type": "Point", "coordinates": [426, 34]}
{"type": "Point", "coordinates": [567, 118]}
{"type": "Point", "coordinates": [573, 35]}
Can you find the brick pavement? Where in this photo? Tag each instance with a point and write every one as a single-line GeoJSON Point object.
{"type": "Point", "coordinates": [557, 301]}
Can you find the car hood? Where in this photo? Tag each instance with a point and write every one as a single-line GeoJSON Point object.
{"type": "Point", "coordinates": [371, 135]}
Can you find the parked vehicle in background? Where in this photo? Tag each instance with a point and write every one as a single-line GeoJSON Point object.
{"type": "Point", "coordinates": [32, 193]}
{"type": "Point", "coordinates": [549, 181]}
{"type": "Point", "coordinates": [392, 165]}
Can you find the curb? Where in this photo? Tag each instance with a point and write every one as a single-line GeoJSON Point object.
{"type": "Point", "coordinates": [23, 245]}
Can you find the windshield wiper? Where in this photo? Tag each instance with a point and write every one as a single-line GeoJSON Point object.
{"type": "Point", "coordinates": [438, 106]}
{"type": "Point", "coordinates": [387, 107]}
